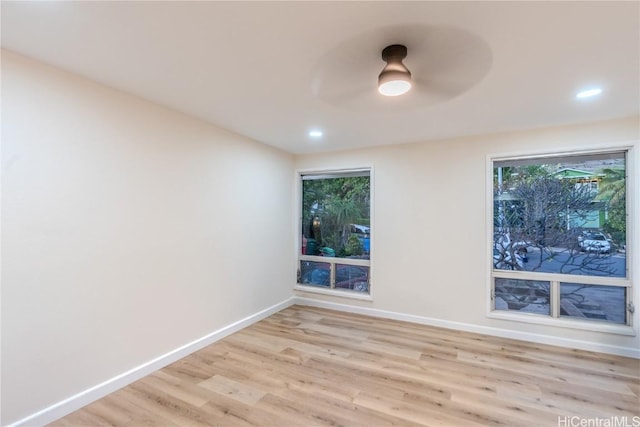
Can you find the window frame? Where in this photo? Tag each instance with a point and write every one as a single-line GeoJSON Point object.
{"type": "Point", "coordinates": [554, 279]}
{"type": "Point", "coordinates": [334, 173]}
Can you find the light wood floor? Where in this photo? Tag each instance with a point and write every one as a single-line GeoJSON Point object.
{"type": "Point", "coordinates": [312, 367]}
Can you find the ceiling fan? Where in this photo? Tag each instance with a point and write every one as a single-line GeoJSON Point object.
{"type": "Point", "coordinates": [438, 62]}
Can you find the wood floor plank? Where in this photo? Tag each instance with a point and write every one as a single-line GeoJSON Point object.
{"type": "Point", "coordinates": [234, 389]}
{"type": "Point", "coordinates": [307, 366]}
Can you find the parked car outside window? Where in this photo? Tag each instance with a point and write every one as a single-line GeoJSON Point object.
{"type": "Point", "coordinates": [595, 242]}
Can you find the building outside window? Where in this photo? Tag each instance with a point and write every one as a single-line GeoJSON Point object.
{"type": "Point", "coordinates": [335, 235]}
{"type": "Point", "coordinates": [560, 232]}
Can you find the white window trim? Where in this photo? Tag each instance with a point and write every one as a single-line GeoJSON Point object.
{"type": "Point", "coordinates": [334, 292]}
{"type": "Point", "coordinates": [633, 242]}
{"type": "Point", "coordinates": [298, 241]}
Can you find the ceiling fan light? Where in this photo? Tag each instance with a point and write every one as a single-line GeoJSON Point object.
{"type": "Point", "coordinates": [394, 83]}
{"type": "Point", "coordinates": [395, 78]}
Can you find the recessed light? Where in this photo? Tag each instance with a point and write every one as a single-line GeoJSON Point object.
{"type": "Point", "coordinates": [315, 133]}
{"type": "Point", "coordinates": [588, 93]}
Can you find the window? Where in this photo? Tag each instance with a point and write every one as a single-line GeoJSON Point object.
{"type": "Point", "coordinates": [335, 235]}
{"type": "Point", "coordinates": [560, 230]}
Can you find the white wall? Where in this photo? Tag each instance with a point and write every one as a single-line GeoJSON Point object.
{"type": "Point", "coordinates": [128, 230]}
{"type": "Point", "coordinates": [429, 247]}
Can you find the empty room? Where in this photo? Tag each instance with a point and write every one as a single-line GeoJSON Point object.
{"type": "Point", "coordinates": [320, 213]}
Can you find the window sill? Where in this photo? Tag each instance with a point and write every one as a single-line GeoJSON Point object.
{"type": "Point", "coordinates": [333, 292]}
{"type": "Point", "coordinates": [593, 326]}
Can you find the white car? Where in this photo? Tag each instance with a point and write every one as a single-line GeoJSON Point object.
{"type": "Point", "coordinates": [595, 242]}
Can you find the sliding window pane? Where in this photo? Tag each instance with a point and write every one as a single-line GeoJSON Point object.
{"type": "Point", "coordinates": [593, 302]}
{"type": "Point", "coordinates": [353, 277]}
{"type": "Point", "coordinates": [315, 273]}
{"type": "Point", "coordinates": [530, 296]}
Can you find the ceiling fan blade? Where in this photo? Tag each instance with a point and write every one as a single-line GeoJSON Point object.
{"type": "Point", "coordinates": [347, 95]}
{"type": "Point", "coordinates": [441, 89]}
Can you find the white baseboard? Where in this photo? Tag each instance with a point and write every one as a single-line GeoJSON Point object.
{"type": "Point", "coordinates": [467, 327]}
{"type": "Point", "coordinates": [98, 391]}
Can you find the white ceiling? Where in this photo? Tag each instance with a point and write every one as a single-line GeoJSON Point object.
{"type": "Point", "coordinates": [273, 70]}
